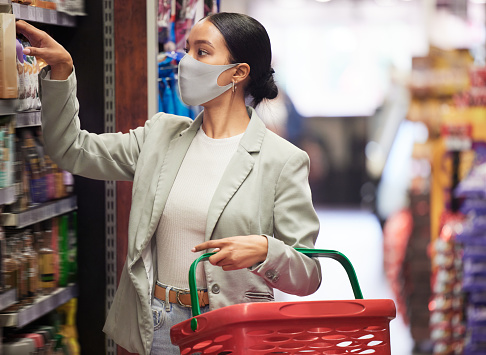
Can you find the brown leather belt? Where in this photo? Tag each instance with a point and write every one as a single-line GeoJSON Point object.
{"type": "Point", "coordinates": [181, 298]}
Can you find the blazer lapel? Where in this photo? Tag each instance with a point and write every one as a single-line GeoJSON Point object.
{"type": "Point", "coordinates": [237, 171]}
{"type": "Point", "coordinates": [168, 172]}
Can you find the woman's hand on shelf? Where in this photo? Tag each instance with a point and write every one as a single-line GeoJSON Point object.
{"type": "Point", "coordinates": [235, 253]}
{"type": "Point", "coordinates": [45, 47]}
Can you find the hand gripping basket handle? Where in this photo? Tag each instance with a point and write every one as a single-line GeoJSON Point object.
{"type": "Point", "coordinates": [333, 254]}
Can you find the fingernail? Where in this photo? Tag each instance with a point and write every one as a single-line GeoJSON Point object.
{"type": "Point", "coordinates": [193, 249]}
{"type": "Point", "coordinates": [26, 51]}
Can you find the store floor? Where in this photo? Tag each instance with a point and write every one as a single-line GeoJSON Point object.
{"type": "Point", "coordinates": [358, 235]}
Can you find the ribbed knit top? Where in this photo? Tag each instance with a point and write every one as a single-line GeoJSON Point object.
{"type": "Point", "coordinates": [183, 222]}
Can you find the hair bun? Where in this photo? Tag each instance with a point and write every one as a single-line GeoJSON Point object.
{"type": "Point", "coordinates": [264, 88]}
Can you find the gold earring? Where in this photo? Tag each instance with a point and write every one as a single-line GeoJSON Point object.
{"type": "Point", "coordinates": [234, 87]}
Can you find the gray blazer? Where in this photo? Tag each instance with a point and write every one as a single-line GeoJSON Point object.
{"type": "Point", "coordinates": [263, 191]}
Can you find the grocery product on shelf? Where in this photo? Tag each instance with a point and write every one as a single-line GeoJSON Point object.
{"type": "Point", "coordinates": [20, 346]}
{"type": "Point", "coordinates": [21, 76]}
{"type": "Point", "coordinates": [68, 329]}
{"type": "Point", "coordinates": [33, 265]}
{"type": "Point", "coordinates": [10, 268]}
{"type": "Point", "coordinates": [28, 262]}
{"type": "Point", "coordinates": [72, 252]}
{"type": "Point", "coordinates": [8, 62]}
{"type": "Point", "coordinates": [7, 139]}
{"type": "Point", "coordinates": [449, 97]}
{"type": "Point", "coordinates": [472, 191]}
{"type": "Point", "coordinates": [46, 264]}
{"type": "Point", "coordinates": [23, 269]}
{"type": "Point", "coordinates": [63, 243]}
{"type": "Point", "coordinates": [31, 69]}
{"type": "Point", "coordinates": [447, 302]}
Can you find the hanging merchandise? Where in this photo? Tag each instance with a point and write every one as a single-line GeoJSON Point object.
{"type": "Point", "coordinates": [433, 269]}
{"type": "Point", "coordinates": [184, 20]}
{"type": "Point", "coordinates": [472, 192]}
{"type": "Point", "coordinates": [175, 19]}
{"type": "Point", "coordinates": [472, 236]}
{"type": "Point", "coordinates": [447, 302]}
{"type": "Point", "coordinates": [211, 7]}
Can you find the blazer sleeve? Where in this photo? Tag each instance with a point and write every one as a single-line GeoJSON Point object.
{"type": "Point", "coordinates": [296, 225]}
{"type": "Point", "coordinates": [108, 156]}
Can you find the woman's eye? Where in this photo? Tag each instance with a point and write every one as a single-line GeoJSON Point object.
{"type": "Point", "coordinates": [186, 50]}
{"type": "Point", "coordinates": [201, 52]}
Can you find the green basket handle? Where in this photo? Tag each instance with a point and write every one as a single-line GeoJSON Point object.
{"type": "Point", "coordinates": [333, 254]}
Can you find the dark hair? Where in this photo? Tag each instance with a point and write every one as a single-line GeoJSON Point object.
{"type": "Point", "coordinates": [248, 42]}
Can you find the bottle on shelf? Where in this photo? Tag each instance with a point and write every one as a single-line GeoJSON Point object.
{"type": "Point", "coordinates": [19, 181]}
{"type": "Point", "coordinates": [72, 247]}
{"type": "Point", "coordinates": [33, 266]}
{"type": "Point", "coordinates": [46, 264]}
{"type": "Point", "coordinates": [23, 270]}
{"type": "Point", "coordinates": [11, 268]}
{"type": "Point", "coordinates": [63, 240]}
{"type": "Point", "coordinates": [37, 179]}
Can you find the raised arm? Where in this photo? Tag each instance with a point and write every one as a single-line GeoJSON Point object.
{"type": "Point", "coordinates": [110, 156]}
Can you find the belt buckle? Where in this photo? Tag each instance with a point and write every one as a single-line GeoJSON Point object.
{"type": "Point", "coordinates": [178, 293]}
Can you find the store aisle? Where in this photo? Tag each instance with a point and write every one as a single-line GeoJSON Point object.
{"type": "Point", "coordinates": [358, 235]}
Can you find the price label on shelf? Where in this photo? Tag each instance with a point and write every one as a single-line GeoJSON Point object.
{"type": "Point", "coordinates": [31, 13]}
{"type": "Point", "coordinates": [52, 17]}
{"type": "Point", "coordinates": [16, 10]}
{"type": "Point", "coordinates": [31, 120]}
{"type": "Point", "coordinates": [24, 11]}
{"type": "Point", "coordinates": [39, 14]}
{"type": "Point", "coordinates": [36, 215]}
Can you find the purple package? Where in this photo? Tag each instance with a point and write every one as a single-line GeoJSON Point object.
{"type": "Point", "coordinates": [478, 252]}
{"type": "Point", "coordinates": [20, 51]}
{"type": "Point", "coordinates": [474, 185]}
{"type": "Point", "coordinates": [477, 297]}
{"type": "Point", "coordinates": [474, 225]}
{"type": "Point", "coordinates": [474, 205]}
{"type": "Point", "coordinates": [474, 266]}
{"type": "Point", "coordinates": [474, 283]}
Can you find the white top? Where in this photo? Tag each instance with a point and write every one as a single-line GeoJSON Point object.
{"type": "Point", "coordinates": [183, 222]}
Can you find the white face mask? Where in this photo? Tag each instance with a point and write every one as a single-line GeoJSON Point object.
{"type": "Point", "coordinates": [198, 81]}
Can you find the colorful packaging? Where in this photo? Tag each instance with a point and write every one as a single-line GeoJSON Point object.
{"type": "Point", "coordinates": [63, 243]}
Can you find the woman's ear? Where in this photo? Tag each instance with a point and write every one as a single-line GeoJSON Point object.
{"type": "Point", "coordinates": [242, 72]}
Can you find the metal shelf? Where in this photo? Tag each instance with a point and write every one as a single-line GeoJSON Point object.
{"type": "Point", "coordinates": [28, 119]}
{"type": "Point", "coordinates": [8, 106]}
{"type": "Point", "coordinates": [38, 14]}
{"type": "Point", "coordinates": [39, 213]}
{"type": "Point", "coordinates": [7, 195]}
{"type": "Point", "coordinates": [8, 298]}
{"type": "Point", "coordinates": [41, 306]}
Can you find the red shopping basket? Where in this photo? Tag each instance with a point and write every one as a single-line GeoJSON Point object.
{"type": "Point", "coordinates": [309, 327]}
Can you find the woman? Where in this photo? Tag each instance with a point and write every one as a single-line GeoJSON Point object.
{"type": "Point", "coordinates": [222, 182]}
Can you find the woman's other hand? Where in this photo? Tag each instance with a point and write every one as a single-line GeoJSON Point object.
{"type": "Point", "coordinates": [45, 47]}
{"type": "Point", "coordinates": [235, 253]}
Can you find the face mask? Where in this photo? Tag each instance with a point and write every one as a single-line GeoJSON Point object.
{"type": "Point", "coordinates": [198, 81]}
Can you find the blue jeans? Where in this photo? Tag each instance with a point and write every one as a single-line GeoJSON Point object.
{"type": "Point", "coordinates": [167, 315]}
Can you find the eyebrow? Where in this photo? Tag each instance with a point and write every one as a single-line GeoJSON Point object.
{"type": "Point", "coordinates": [201, 41]}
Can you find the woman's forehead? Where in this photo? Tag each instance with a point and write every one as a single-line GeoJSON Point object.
{"type": "Point", "coordinates": [205, 30]}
